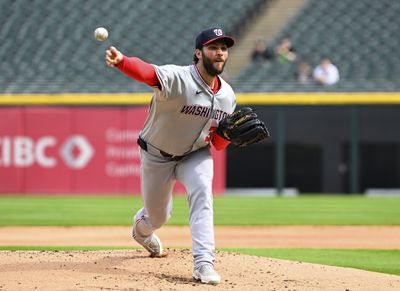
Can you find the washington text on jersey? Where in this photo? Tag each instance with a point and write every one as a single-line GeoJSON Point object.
{"type": "Point", "coordinates": [203, 111]}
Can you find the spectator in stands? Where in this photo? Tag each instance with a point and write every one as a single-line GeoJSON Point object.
{"type": "Point", "coordinates": [261, 54]}
{"type": "Point", "coordinates": [326, 73]}
{"type": "Point", "coordinates": [303, 74]}
{"type": "Point", "coordinates": [285, 51]}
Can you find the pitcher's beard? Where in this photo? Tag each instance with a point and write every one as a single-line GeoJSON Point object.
{"type": "Point", "coordinates": [210, 68]}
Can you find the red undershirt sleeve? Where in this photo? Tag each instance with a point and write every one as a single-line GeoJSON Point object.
{"type": "Point", "coordinates": [139, 70]}
{"type": "Point", "coordinates": [219, 142]}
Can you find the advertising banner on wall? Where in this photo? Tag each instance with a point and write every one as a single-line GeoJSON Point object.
{"type": "Point", "coordinates": [73, 150]}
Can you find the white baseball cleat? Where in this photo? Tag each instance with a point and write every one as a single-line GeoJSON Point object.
{"type": "Point", "coordinates": [206, 274]}
{"type": "Point", "coordinates": [153, 245]}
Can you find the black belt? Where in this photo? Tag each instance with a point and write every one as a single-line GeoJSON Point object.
{"type": "Point", "coordinates": [143, 146]}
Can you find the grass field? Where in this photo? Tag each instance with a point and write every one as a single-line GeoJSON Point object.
{"type": "Point", "coordinates": [384, 261]}
{"type": "Point", "coordinates": [304, 210]}
{"type": "Point", "coordinates": [101, 210]}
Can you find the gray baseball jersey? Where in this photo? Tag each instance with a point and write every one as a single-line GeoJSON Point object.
{"type": "Point", "coordinates": [185, 111]}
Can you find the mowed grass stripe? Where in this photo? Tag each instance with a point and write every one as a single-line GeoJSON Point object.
{"type": "Point", "coordinates": [311, 210]}
{"type": "Point", "coordinates": [229, 210]}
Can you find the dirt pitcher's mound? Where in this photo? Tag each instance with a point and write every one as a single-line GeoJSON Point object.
{"type": "Point", "coordinates": [134, 270]}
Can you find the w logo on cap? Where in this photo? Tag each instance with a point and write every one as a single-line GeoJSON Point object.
{"type": "Point", "coordinates": [218, 32]}
{"type": "Point", "coordinates": [212, 34]}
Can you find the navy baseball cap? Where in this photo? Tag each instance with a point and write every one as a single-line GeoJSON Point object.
{"type": "Point", "coordinates": [211, 34]}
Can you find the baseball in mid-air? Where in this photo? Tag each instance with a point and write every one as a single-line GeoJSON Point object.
{"type": "Point", "coordinates": [100, 34]}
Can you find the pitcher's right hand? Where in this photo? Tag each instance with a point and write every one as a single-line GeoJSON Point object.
{"type": "Point", "coordinates": [113, 56]}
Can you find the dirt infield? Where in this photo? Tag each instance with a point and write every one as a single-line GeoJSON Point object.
{"type": "Point", "coordinates": [350, 237]}
{"type": "Point", "coordinates": [134, 270]}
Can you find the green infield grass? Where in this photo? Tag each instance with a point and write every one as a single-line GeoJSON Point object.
{"type": "Point", "coordinates": [229, 210]}
{"type": "Point", "coordinates": [383, 261]}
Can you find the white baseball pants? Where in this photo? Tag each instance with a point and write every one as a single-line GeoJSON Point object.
{"type": "Point", "coordinates": [158, 177]}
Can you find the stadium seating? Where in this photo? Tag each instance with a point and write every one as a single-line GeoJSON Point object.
{"type": "Point", "coordinates": [48, 46]}
{"type": "Point", "coordinates": [361, 38]}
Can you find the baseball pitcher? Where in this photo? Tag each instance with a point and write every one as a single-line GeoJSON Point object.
{"type": "Point", "coordinates": [191, 108]}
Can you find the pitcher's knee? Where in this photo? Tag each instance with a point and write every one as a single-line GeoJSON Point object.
{"type": "Point", "coordinates": [159, 220]}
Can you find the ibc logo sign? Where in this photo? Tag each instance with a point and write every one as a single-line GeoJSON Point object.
{"type": "Point", "coordinates": [23, 151]}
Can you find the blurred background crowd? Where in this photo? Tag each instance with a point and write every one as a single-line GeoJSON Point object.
{"type": "Point", "coordinates": [282, 45]}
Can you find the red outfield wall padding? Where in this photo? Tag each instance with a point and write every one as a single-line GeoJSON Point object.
{"type": "Point", "coordinates": [70, 150]}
